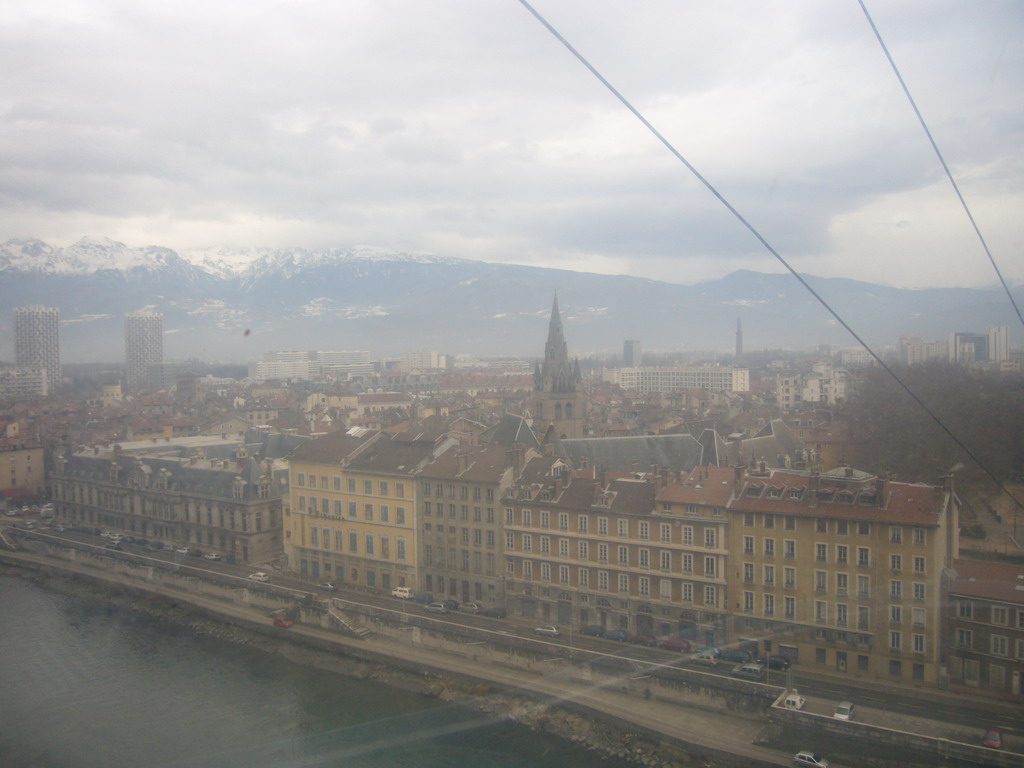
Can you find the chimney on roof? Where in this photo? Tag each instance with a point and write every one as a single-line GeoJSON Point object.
{"type": "Point", "coordinates": [737, 479]}
{"type": "Point", "coordinates": [882, 492]}
{"type": "Point", "coordinates": [848, 471]}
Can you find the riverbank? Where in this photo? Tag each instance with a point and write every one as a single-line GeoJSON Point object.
{"type": "Point", "coordinates": [551, 706]}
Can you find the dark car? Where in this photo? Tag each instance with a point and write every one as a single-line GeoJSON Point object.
{"type": "Point", "coordinates": [647, 640]}
{"type": "Point", "coordinates": [112, 545]}
{"type": "Point", "coordinates": [282, 621]}
{"type": "Point", "coordinates": [675, 644]}
{"type": "Point", "coordinates": [593, 630]}
{"type": "Point", "coordinates": [775, 662]}
{"type": "Point", "coordinates": [619, 635]}
{"type": "Point", "coordinates": [494, 613]}
{"type": "Point", "coordinates": [450, 604]}
{"type": "Point", "coordinates": [736, 656]}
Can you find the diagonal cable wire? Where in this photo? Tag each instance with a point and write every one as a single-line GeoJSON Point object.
{"type": "Point", "coordinates": [760, 238]}
{"type": "Point", "coordinates": [942, 160]}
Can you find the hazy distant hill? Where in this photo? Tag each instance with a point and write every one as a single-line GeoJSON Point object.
{"type": "Point", "coordinates": [386, 302]}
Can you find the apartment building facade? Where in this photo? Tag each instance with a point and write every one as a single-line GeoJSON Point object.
{"type": "Point", "coordinates": [842, 571]}
{"type": "Point", "coordinates": [462, 531]}
{"type": "Point", "coordinates": [621, 552]}
{"type": "Point", "coordinates": [208, 495]}
{"type": "Point", "coordinates": [985, 640]}
{"type": "Point", "coordinates": [353, 513]}
{"type": "Point", "coordinates": [23, 468]}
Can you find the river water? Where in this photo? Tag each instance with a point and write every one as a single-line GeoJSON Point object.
{"type": "Point", "coordinates": [84, 685]}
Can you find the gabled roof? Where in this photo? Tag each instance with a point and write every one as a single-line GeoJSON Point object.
{"type": "Point", "coordinates": [511, 429]}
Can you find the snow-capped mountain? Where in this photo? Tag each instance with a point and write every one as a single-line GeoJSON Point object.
{"type": "Point", "coordinates": [235, 305]}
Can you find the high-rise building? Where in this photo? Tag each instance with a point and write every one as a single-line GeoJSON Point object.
{"type": "Point", "coordinates": [631, 353]}
{"type": "Point", "coordinates": [143, 347]}
{"type": "Point", "coordinates": [998, 344]}
{"type": "Point", "coordinates": [37, 341]}
{"type": "Point", "coordinates": [739, 339]}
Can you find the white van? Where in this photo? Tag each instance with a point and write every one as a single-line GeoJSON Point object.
{"type": "Point", "coordinates": [403, 592]}
{"type": "Point", "coordinates": [794, 700]}
{"type": "Point", "coordinates": [844, 711]}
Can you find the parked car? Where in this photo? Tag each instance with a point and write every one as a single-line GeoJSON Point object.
{"type": "Point", "coordinates": [993, 738]}
{"type": "Point", "coordinates": [675, 644]}
{"type": "Point", "coordinates": [619, 635]}
{"type": "Point", "coordinates": [750, 671]}
{"type": "Point", "coordinates": [450, 604]}
{"type": "Point", "coordinates": [436, 608]}
{"type": "Point", "coordinates": [775, 662]}
{"type": "Point", "coordinates": [259, 576]}
{"type": "Point", "coordinates": [647, 640]}
{"type": "Point", "coordinates": [211, 556]}
{"type": "Point", "coordinates": [736, 656]}
{"type": "Point", "coordinates": [548, 630]}
{"type": "Point", "coordinates": [808, 759]}
{"type": "Point", "coordinates": [113, 545]}
{"type": "Point", "coordinates": [115, 537]}
{"type": "Point", "coordinates": [327, 586]}
{"type": "Point", "coordinates": [471, 607]}
{"type": "Point", "coordinates": [182, 550]}
{"type": "Point", "coordinates": [494, 613]}
{"type": "Point", "coordinates": [405, 593]}
{"type": "Point", "coordinates": [593, 630]}
{"type": "Point", "coordinates": [707, 657]}
{"type": "Point", "coordinates": [195, 553]}
{"type": "Point", "coordinates": [283, 621]}
{"type": "Point", "coordinates": [844, 711]}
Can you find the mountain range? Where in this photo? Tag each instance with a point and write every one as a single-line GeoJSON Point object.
{"type": "Point", "coordinates": [232, 305]}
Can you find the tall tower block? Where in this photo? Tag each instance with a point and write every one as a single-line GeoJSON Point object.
{"type": "Point", "coordinates": [143, 346]}
{"type": "Point", "coordinates": [37, 341]}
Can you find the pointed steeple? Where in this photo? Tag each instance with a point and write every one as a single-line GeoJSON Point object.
{"type": "Point", "coordinates": [556, 373]}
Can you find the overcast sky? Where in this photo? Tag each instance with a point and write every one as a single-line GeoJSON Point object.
{"type": "Point", "coordinates": [463, 128]}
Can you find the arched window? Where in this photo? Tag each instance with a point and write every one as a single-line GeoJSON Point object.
{"type": "Point", "coordinates": [558, 410]}
{"type": "Point", "coordinates": [568, 410]}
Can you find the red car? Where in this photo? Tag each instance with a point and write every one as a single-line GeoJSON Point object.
{"type": "Point", "coordinates": [282, 621]}
{"type": "Point", "coordinates": [993, 738]}
{"type": "Point", "coordinates": [675, 644]}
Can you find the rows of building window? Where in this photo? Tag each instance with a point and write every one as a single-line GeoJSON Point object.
{"type": "Point", "coordinates": [643, 529]}
{"type": "Point", "coordinates": [373, 545]}
{"type": "Point", "coordinates": [460, 559]}
{"type": "Point", "coordinates": [333, 483]}
{"type": "Point", "coordinates": [451, 491]}
{"type": "Point", "coordinates": [623, 583]}
{"type": "Point", "coordinates": [461, 511]}
{"type": "Point", "coordinates": [339, 510]}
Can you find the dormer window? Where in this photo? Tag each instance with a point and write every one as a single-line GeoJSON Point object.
{"type": "Point", "coordinates": [795, 494]}
{"type": "Point", "coordinates": [774, 493]}
{"type": "Point", "coordinates": [754, 490]}
{"type": "Point", "coordinates": [825, 494]}
{"type": "Point", "coordinates": [845, 497]}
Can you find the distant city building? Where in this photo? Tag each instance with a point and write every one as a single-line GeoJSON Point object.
{"type": "Point", "coordinates": [143, 347]}
{"type": "Point", "coordinates": [998, 344]}
{"type": "Point", "coordinates": [739, 339]}
{"type": "Point", "coordinates": [967, 347]}
{"type": "Point", "coordinates": [37, 341]}
{"type": "Point", "coordinates": [294, 364]}
{"type": "Point", "coordinates": [823, 385]}
{"type": "Point", "coordinates": [18, 381]}
{"type": "Point", "coordinates": [672, 379]}
{"type": "Point", "coordinates": [24, 472]}
{"type": "Point", "coordinates": [632, 353]}
{"type": "Point", "coordinates": [914, 351]}
{"type": "Point", "coordinates": [421, 359]}
{"type": "Point", "coordinates": [557, 399]}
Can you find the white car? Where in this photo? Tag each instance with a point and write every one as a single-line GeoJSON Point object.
{"type": "Point", "coordinates": [259, 576]}
{"type": "Point", "coordinates": [808, 759]}
{"type": "Point", "coordinates": [211, 556]}
{"type": "Point", "coordinates": [548, 631]}
{"type": "Point", "coordinates": [182, 550]}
